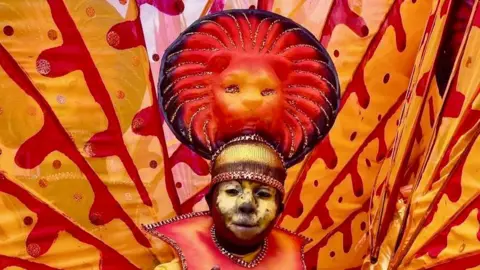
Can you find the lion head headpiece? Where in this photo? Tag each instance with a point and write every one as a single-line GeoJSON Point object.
{"type": "Point", "coordinates": [250, 90]}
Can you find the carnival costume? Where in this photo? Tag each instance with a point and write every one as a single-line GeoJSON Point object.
{"type": "Point", "coordinates": [253, 130]}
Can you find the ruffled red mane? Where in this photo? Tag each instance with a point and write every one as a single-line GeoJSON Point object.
{"type": "Point", "coordinates": [309, 81]}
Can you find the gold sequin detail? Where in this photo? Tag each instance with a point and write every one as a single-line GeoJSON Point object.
{"type": "Point", "coordinates": [207, 35]}
{"type": "Point", "coordinates": [256, 32]}
{"type": "Point", "coordinates": [185, 77]}
{"type": "Point", "coordinates": [266, 34]}
{"type": "Point", "coordinates": [313, 88]}
{"type": "Point", "coordinates": [43, 67]}
{"type": "Point", "coordinates": [314, 102]}
{"type": "Point", "coordinates": [281, 35]}
{"type": "Point", "coordinates": [238, 30]}
{"type": "Point", "coordinates": [205, 133]}
{"type": "Point", "coordinates": [180, 91]}
{"type": "Point", "coordinates": [223, 29]}
{"type": "Point", "coordinates": [317, 75]}
{"type": "Point", "coordinates": [191, 50]}
{"type": "Point", "coordinates": [298, 46]}
{"type": "Point", "coordinates": [249, 26]}
{"type": "Point", "coordinates": [113, 39]}
{"type": "Point", "coordinates": [292, 141]}
{"type": "Point", "coordinates": [183, 64]}
{"type": "Point", "coordinates": [304, 131]}
{"type": "Point", "coordinates": [294, 105]}
{"type": "Point", "coordinates": [312, 60]}
{"type": "Point", "coordinates": [191, 122]}
{"type": "Point", "coordinates": [183, 103]}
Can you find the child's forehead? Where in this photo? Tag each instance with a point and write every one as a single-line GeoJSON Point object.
{"type": "Point", "coordinates": [244, 184]}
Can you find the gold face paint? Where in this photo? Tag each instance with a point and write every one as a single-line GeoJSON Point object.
{"type": "Point", "coordinates": [248, 208]}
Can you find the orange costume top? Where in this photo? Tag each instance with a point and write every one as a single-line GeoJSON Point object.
{"type": "Point", "coordinates": [192, 238]}
{"type": "Point", "coordinates": [254, 92]}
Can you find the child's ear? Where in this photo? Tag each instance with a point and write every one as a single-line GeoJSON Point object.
{"type": "Point", "coordinates": [219, 62]}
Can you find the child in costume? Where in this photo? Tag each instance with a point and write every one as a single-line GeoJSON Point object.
{"type": "Point", "coordinates": [253, 92]}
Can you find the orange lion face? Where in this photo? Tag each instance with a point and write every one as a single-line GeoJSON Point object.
{"type": "Point", "coordinates": [248, 96]}
{"type": "Point", "coordinates": [248, 72]}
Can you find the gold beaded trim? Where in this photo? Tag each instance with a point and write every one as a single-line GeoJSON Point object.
{"type": "Point", "coordinates": [244, 175]}
{"type": "Point", "coordinates": [237, 260]}
{"type": "Point", "coordinates": [254, 138]}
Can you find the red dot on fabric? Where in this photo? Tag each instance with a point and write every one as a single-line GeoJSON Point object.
{"type": "Point", "coordinates": [368, 163]}
{"type": "Point", "coordinates": [414, 1]}
{"type": "Point", "coordinates": [252, 7]}
{"type": "Point", "coordinates": [340, 199]}
{"type": "Point", "coordinates": [153, 164]}
{"type": "Point", "coordinates": [363, 226]}
{"type": "Point", "coordinates": [28, 221]}
{"type": "Point", "coordinates": [386, 78]}
{"type": "Point", "coordinates": [315, 183]}
{"type": "Point", "coordinates": [33, 250]}
{"type": "Point", "coordinates": [57, 164]}
{"type": "Point", "coordinates": [43, 183]}
{"type": "Point", "coordinates": [52, 34]}
{"type": "Point", "coordinates": [336, 53]}
{"type": "Point", "coordinates": [365, 30]}
{"type": "Point", "coordinates": [178, 185]}
{"type": "Point", "coordinates": [120, 94]}
{"type": "Point", "coordinates": [379, 117]}
{"type": "Point", "coordinates": [8, 30]}
{"type": "Point", "coordinates": [156, 57]}
{"type": "Point", "coordinates": [90, 11]}
{"type": "Point", "coordinates": [353, 136]}
{"type": "Point", "coordinates": [332, 254]}
{"type": "Point", "coordinates": [179, 6]}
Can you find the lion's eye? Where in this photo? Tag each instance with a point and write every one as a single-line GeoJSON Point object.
{"type": "Point", "coordinates": [231, 89]}
{"type": "Point", "coordinates": [268, 92]}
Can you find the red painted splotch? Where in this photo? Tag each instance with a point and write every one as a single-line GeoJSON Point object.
{"type": "Point", "coordinates": [265, 4]}
{"type": "Point", "coordinates": [125, 35]}
{"type": "Point", "coordinates": [169, 7]}
{"type": "Point", "coordinates": [357, 85]}
{"type": "Point", "coordinates": [455, 29]}
{"type": "Point", "coordinates": [418, 133]}
{"type": "Point", "coordinates": [323, 151]}
{"type": "Point", "coordinates": [340, 13]}
{"type": "Point", "coordinates": [184, 155]}
{"type": "Point", "coordinates": [53, 137]}
{"type": "Point", "coordinates": [217, 6]}
{"type": "Point", "coordinates": [462, 263]}
{"type": "Point", "coordinates": [439, 241]}
{"type": "Point", "coordinates": [73, 55]}
{"type": "Point", "coordinates": [320, 209]}
{"type": "Point", "coordinates": [345, 228]}
{"type": "Point", "coordinates": [453, 105]}
{"type": "Point", "coordinates": [6, 261]}
{"type": "Point", "coordinates": [452, 188]}
{"type": "Point", "coordinates": [50, 223]}
{"type": "Point", "coordinates": [469, 120]}
{"type": "Point", "coordinates": [421, 88]}
{"type": "Point", "coordinates": [431, 112]}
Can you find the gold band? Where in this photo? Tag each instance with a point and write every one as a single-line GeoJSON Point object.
{"type": "Point", "coordinates": [244, 175]}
